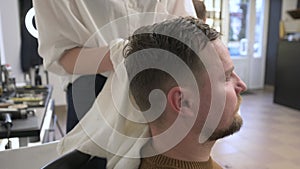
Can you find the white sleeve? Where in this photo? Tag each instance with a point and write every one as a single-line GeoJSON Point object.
{"type": "Point", "coordinates": [60, 28]}
{"type": "Point", "coordinates": [181, 8]}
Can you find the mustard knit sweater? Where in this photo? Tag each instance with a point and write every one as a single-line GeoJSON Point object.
{"type": "Point", "coordinates": [164, 162]}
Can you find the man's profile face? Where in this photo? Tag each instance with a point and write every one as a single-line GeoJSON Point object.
{"type": "Point", "coordinates": [230, 121]}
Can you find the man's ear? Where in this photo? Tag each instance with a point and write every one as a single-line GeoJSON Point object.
{"type": "Point", "coordinates": [181, 101]}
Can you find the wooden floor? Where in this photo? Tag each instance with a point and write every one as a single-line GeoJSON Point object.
{"type": "Point", "coordinates": [61, 113]}
{"type": "Point", "coordinates": [269, 139]}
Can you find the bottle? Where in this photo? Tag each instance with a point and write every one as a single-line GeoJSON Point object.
{"type": "Point", "coordinates": [37, 77]}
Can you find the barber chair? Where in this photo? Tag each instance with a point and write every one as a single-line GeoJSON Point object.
{"type": "Point", "coordinates": [77, 160]}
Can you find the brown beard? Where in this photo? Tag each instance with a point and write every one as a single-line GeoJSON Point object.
{"type": "Point", "coordinates": [233, 128]}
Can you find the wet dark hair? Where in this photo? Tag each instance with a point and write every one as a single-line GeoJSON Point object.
{"type": "Point", "coordinates": [151, 41]}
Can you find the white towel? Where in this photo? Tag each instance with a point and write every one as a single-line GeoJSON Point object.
{"type": "Point", "coordinates": [103, 131]}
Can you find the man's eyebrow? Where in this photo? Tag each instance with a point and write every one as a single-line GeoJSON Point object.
{"type": "Point", "coordinates": [230, 70]}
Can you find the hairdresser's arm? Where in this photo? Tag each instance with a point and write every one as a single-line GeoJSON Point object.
{"type": "Point", "coordinates": [86, 60]}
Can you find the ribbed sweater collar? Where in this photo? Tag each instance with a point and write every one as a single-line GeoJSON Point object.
{"type": "Point", "coordinates": [167, 162]}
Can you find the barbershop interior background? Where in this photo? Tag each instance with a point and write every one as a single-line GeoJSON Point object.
{"type": "Point", "coordinates": [263, 38]}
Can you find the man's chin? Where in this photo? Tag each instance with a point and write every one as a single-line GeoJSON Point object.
{"type": "Point", "coordinates": [233, 128]}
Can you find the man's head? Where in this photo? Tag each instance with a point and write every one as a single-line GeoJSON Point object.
{"type": "Point", "coordinates": [200, 9]}
{"type": "Point", "coordinates": [155, 43]}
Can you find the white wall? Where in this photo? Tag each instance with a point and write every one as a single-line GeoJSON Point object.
{"type": "Point", "coordinates": [286, 6]}
{"type": "Point", "coordinates": [10, 46]}
{"type": "Point", "coordinates": [11, 37]}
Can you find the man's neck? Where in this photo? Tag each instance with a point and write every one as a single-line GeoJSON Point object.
{"type": "Point", "coordinates": [189, 150]}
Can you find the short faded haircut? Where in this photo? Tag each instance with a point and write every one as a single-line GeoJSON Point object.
{"type": "Point", "coordinates": [165, 36]}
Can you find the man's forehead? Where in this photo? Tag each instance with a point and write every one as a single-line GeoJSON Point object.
{"type": "Point", "coordinates": [223, 53]}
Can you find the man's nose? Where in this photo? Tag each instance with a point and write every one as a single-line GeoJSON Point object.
{"type": "Point", "coordinates": [240, 85]}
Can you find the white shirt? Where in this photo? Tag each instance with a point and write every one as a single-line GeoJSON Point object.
{"type": "Point", "coordinates": [65, 24]}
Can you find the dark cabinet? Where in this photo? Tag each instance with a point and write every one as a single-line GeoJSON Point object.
{"type": "Point", "coordinates": [287, 79]}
